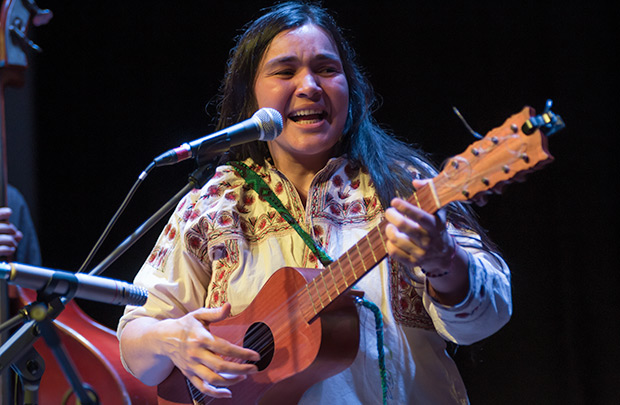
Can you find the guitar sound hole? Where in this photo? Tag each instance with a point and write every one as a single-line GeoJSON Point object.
{"type": "Point", "coordinates": [260, 339]}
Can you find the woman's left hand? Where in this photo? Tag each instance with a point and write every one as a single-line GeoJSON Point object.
{"type": "Point", "coordinates": [417, 238]}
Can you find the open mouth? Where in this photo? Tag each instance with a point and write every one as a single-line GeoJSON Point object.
{"type": "Point", "coordinates": [308, 116]}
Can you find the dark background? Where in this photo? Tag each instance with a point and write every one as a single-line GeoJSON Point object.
{"type": "Point", "coordinates": [119, 82]}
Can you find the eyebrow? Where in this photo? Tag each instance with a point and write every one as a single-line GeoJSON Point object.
{"type": "Point", "coordinates": [291, 58]}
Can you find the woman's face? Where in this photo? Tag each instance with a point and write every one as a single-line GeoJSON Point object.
{"type": "Point", "coordinates": [301, 76]}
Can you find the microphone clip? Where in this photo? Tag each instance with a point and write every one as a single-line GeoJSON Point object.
{"type": "Point", "coordinates": [68, 281]}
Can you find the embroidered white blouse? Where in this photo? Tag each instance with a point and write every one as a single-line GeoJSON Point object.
{"type": "Point", "coordinates": [223, 242]}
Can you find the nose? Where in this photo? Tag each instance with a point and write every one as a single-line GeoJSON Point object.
{"type": "Point", "coordinates": [309, 87]}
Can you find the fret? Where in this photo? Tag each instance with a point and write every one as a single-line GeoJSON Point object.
{"type": "Point", "coordinates": [372, 250]}
{"type": "Point", "coordinates": [431, 185]}
{"type": "Point", "coordinates": [427, 197]}
{"type": "Point", "coordinates": [311, 300]}
{"type": "Point", "coordinates": [318, 292]}
{"type": "Point", "coordinates": [359, 252]}
{"type": "Point", "coordinates": [344, 276]}
{"type": "Point", "coordinates": [380, 232]}
{"type": "Point", "coordinates": [334, 279]}
{"type": "Point", "coordinates": [351, 264]}
{"type": "Point", "coordinates": [326, 287]}
{"type": "Point", "coordinates": [415, 196]}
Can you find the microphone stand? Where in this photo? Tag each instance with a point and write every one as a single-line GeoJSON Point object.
{"type": "Point", "coordinates": [25, 360]}
{"type": "Point", "coordinates": [18, 351]}
{"type": "Point", "coordinates": [197, 179]}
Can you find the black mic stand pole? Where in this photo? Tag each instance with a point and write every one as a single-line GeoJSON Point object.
{"type": "Point", "coordinates": [18, 350]}
{"type": "Point", "coordinates": [25, 360]}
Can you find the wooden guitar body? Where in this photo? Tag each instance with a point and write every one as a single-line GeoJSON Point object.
{"type": "Point", "coordinates": [297, 349]}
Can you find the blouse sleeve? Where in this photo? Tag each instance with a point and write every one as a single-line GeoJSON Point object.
{"type": "Point", "coordinates": [488, 305]}
{"type": "Point", "coordinates": [175, 277]}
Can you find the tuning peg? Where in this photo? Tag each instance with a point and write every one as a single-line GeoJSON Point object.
{"type": "Point", "coordinates": [18, 35]}
{"type": "Point", "coordinates": [42, 17]}
{"type": "Point", "coordinates": [39, 16]}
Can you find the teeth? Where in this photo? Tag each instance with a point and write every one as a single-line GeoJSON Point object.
{"type": "Point", "coordinates": [307, 121]}
{"type": "Point", "coordinates": [302, 113]}
{"type": "Point", "coordinates": [307, 116]}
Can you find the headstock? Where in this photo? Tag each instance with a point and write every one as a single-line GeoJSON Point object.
{"type": "Point", "coordinates": [506, 153]}
{"type": "Point", "coordinates": [15, 19]}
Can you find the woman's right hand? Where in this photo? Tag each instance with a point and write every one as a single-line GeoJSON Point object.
{"type": "Point", "coordinates": [200, 355]}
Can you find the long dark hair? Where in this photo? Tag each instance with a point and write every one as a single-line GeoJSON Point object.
{"type": "Point", "coordinates": [364, 141]}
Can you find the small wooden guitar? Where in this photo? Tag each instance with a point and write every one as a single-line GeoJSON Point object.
{"type": "Point", "coordinates": [304, 322]}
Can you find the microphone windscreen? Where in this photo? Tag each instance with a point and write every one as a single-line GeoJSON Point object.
{"type": "Point", "coordinates": [270, 122]}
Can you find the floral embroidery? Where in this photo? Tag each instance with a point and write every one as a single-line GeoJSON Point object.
{"type": "Point", "coordinates": [279, 188]}
{"type": "Point", "coordinates": [406, 302]}
{"type": "Point", "coordinates": [213, 191]}
{"type": "Point", "coordinates": [223, 267]}
{"type": "Point", "coordinates": [158, 256]}
{"type": "Point", "coordinates": [196, 238]}
{"type": "Point", "coordinates": [356, 208]}
{"type": "Point", "coordinates": [340, 200]}
{"type": "Point", "coordinates": [225, 219]}
{"type": "Point", "coordinates": [318, 230]}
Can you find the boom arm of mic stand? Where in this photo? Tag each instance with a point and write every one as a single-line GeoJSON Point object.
{"type": "Point", "coordinates": [196, 180]}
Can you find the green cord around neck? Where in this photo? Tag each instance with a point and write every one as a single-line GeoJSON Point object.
{"type": "Point", "coordinates": [265, 192]}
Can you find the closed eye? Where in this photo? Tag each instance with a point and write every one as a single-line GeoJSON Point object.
{"type": "Point", "coordinates": [329, 70]}
{"type": "Point", "coordinates": [285, 73]}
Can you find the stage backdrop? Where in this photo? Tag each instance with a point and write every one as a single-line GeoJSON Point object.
{"type": "Point", "coordinates": [119, 82]}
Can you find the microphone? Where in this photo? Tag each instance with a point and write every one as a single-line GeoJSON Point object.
{"type": "Point", "coordinates": [264, 125]}
{"type": "Point", "coordinates": [71, 285]}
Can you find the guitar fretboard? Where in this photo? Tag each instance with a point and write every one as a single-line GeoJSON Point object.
{"type": "Point", "coordinates": [339, 276]}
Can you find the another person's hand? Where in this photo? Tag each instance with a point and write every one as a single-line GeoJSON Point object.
{"type": "Point", "coordinates": [10, 236]}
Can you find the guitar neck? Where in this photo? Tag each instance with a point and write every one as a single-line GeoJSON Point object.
{"type": "Point", "coordinates": [518, 146]}
{"type": "Point", "coordinates": [339, 276]}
